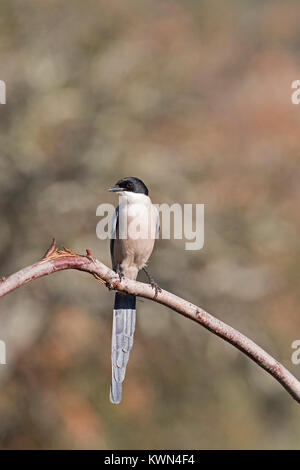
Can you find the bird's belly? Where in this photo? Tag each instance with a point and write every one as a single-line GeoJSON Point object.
{"type": "Point", "coordinates": [132, 255]}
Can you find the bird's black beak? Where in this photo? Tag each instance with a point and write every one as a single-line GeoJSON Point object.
{"type": "Point", "coordinates": [115, 188]}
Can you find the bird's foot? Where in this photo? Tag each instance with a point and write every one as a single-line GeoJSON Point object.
{"type": "Point", "coordinates": [119, 272]}
{"type": "Point", "coordinates": [152, 282]}
{"type": "Point", "coordinates": [155, 286]}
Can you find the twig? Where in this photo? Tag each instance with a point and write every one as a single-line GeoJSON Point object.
{"type": "Point", "coordinates": [57, 260]}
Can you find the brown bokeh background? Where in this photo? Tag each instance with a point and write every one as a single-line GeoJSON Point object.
{"type": "Point", "coordinates": [194, 97]}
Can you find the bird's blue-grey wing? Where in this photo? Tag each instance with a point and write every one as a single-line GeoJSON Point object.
{"type": "Point", "coordinates": [113, 233]}
{"type": "Point", "coordinates": [157, 227]}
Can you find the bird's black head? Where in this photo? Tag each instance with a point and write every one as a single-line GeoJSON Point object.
{"type": "Point", "coordinates": [131, 184]}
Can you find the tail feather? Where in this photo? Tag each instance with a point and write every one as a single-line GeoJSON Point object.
{"type": "Point", "coordinates": [122, 341]}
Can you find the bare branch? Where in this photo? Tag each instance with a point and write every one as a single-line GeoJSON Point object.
{"type": "Point", "coordinates": [57, 260]}
{"type": "Point", "coordinates": [51, 249]}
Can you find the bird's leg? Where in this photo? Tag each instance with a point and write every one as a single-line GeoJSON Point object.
{"type": "Point", "coordinates": [153, 284]}
{"type": "Point", "coordinates": [119, 272]}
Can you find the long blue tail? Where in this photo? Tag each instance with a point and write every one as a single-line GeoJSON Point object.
{"type": "Point", "coordinates": [122, 341]}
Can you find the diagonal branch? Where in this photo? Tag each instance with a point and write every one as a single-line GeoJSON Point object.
{"type": "Point", "coordinates": [57, 260]}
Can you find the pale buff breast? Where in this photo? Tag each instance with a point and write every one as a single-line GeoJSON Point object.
{"type": "Point", "coordinates": [133, 252]}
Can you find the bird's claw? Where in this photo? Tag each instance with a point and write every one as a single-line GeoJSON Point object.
{"type": "Point", "coordinates": [155, 286]}
{"type": "Point", "coordinates": [120, 274]}
{"type": "Point", "coordinates": [152, 283]}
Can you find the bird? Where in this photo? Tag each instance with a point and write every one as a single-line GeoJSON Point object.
{"type": "Point", "coordinates": [135, 226]}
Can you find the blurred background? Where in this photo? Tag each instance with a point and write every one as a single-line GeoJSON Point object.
{"type": "Point", "coordinates": [193, 97]}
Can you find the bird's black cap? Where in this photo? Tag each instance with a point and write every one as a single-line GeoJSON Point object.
{"type": "Point", "coordinates": [131, 184]}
